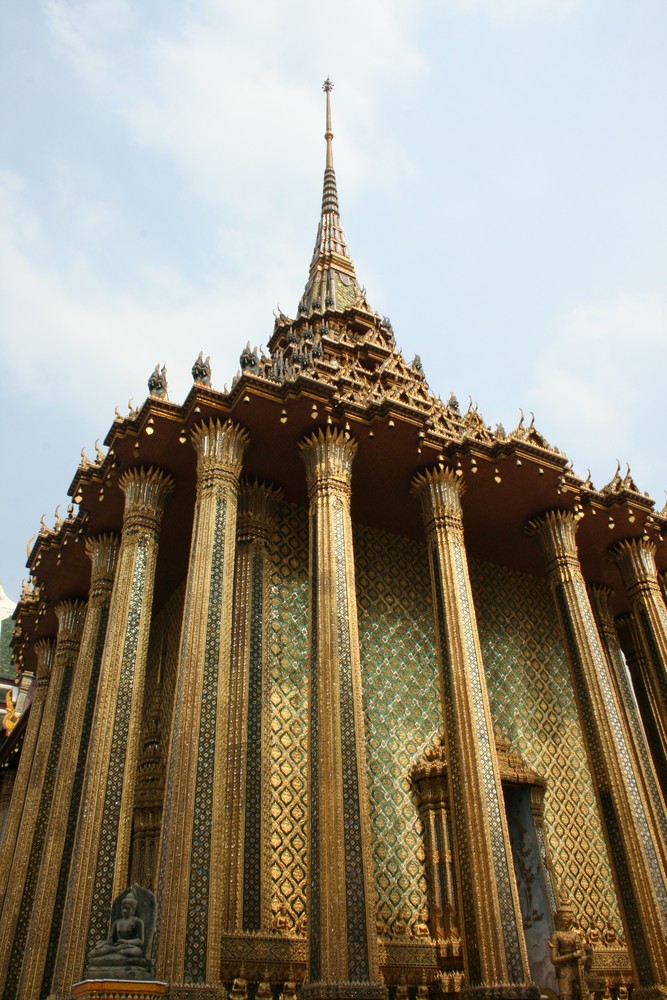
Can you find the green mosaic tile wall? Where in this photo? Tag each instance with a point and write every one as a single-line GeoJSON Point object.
{"type": "Point", "coordinates": [402, 707]}
{"type": "Point", "coordinates": [533, 704]}
{"type": "Point", "coordinates": [288, 698]}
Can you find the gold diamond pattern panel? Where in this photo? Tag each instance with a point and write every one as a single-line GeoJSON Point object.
{"type": "Point", "coordinates": [288, 697]}
{"type": "Point", "coordinates": [533, 705]}
{"type": "Point", "coordinates": [402, 708]}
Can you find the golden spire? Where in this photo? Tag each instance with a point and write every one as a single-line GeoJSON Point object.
{"type": "Point", "coordinates": [332, 282]}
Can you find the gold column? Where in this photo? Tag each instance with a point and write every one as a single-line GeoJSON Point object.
{"type": "Point", "coordinates": [631, 643]}
{"type": "Point", "coordinates": [30, 842]}
{"type": "Point", "coordinates": [341, 917]}
{"type": "Point", "coordinates": [191, 891]}
{"type": "Point", "coordinates": [102, 845]}
{"type": "Point", "coordinates": [637, 745]}
{"type": "Point", "coordinates": [496, 961]}
{"type": "Point", "coordinates": [247, 821]}
{"type": "Point", "coordinates": [42, 934]}
{"type": "Point", "coordinates": [44, 649]}
{"type": "Point", "coordinates": [640, 880]}
{"type": "Point", "coordinates": [635, 559]}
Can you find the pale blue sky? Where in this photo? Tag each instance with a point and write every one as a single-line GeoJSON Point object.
{"type": "Point", "coordinates": [501, 165]}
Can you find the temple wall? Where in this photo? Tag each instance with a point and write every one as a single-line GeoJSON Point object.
{"type": "Point", "coordinates": [402, 708]}
{"type": "Point", "coordinates": [533, 704]}
{"type": "Point", "coordinates": [529, 688]}
{"type": "Point", "coordinates": [288, 698]}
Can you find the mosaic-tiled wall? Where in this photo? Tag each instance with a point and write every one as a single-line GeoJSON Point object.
{"type": "Point", "coordinates": [533, 704]}
{"type": "Point", "coordinates": [288, 698]}
{"type": "Point", "coordinates": [402, 708]}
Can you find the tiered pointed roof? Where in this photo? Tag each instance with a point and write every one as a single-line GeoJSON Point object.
{"type": "Point", "coordinates": [332, 281]}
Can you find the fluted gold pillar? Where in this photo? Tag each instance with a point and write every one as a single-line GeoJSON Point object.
{"type": "Point", "coordinates": [490, 915]}
{"type": "Point", "coordinates": [247, 788]}
{"type": "Point", "coordinates": [43, 930]}
{"type": "Point", "coordinates": [637, 744]}
{"type": "Point", "coordinates": [341, 904]}
{"type": "Point", "coordinates": [30, 843]}
{"type": "Point", "coordinates": [635, 559]}
{"type": "Point", "coordinates": [102, 845]}
{"type": "Point", "coordinates": [640, 879]}
{"type": "Point", "coordinates": [191, 891]}
{"type": "Point", "coordinates": [640, 671]}
{"type": "Point", "coordinates": [44, 650]}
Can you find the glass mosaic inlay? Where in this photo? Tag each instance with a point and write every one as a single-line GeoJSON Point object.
{"type": "Point", "coordinates": [533, 704]}
{"type": "Point", "coordinates": [198, 890]}
{"type": "Point", "coordinates": [401, 689]}
{"type": "Point", "coordinates": [106, 855]}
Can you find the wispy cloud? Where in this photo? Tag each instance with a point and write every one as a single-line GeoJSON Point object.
{"type": "Point", "coordinates": [218, 107]}
{"type": "Point", "coordinates": [504, 11]}
{"type": "Point", "coordinates": [599, 377]}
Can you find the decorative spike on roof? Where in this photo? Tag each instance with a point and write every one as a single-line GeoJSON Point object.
{"type": "Point", "coordinates": [332, 281]}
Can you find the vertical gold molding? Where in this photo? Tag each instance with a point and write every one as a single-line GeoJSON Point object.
{"type": "Point", "coordinates": [193, 855]}
{"type": "Point", "coordinates": [635, 559]}
{"type": "Point", "coordinates": [248, 767]}
{"type": "Point", "coordinates": [640, 880]}
{"type": "Point", "coordinates": [495, 949]}
{"type": "Point", "coordinates": [43, 932]}
{"type": "Point", "coordinates": [44, 649]}
{"type": "Point", "coordinates": [341, 918]}
{"type": "Point", "coordinates": [642, 763]}
{"type": "Point", "coordinates": [429, 776]}
{"type": "Point", "coordinates": [39, 797]}
{"type": "Point", "coordinates": [101, 849]}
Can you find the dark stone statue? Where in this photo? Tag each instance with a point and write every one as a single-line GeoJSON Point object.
{"type": "Point", "coordinates": [126, 953]}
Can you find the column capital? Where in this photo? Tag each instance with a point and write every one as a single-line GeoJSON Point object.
{"type": "Point", "coordinates": [439, 491]}
{"type": "Point", "coordinates": [102, 550]}
{"type": "Point", "coordinates": [257, 510]}
{"type": "Point", "coordinates": [635, 559]}
{"type": "Point", "coordinates": [328, 457]}
{"type": "Point", "coordinates": [71, 616]}
{"type": "Point", "coordinates": [556, 533]}
{"type": "Point", "coordinates": [219, 447]}
{"type": "Point", "coordinates": [600, 598]}
{"type": "Point", "coordinates": [44, 649]}
{"type": "Point", "coordinates": [146, 490]}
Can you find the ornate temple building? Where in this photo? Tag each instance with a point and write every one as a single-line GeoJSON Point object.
{"type": "Point", "coordinates": [338, 692]}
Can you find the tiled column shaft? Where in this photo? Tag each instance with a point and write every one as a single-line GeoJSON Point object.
{"type": "Point", "coordinates": [488, 901]}
{"type": "Point", "coordinates": [191, 891]}
{"type": "Point", "coordinates": [44, 929]}
{"type": "Point", "coordinates": [39, 797]}
{"type": "Point", "coordinates": [637, 745]}
{"type": "Point", "coordinates": [44, 649]}
{"type": "Point", "coordinates": [102, 845]}
{"type": "Point", "coordinates": [640, 880]}
{"type": "Point", "coordinates": [631, 642]}
{"type": "Point", "coordinates": [635, 559]}
{"type": "Point", "coordinates": [341, 918]}
{"type": "Point", "coordinates": [247, 780]}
